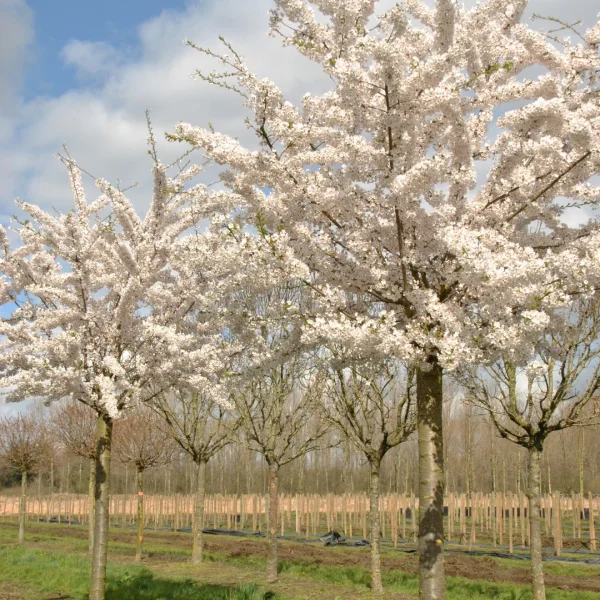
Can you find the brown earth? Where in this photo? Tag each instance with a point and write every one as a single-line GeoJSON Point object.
{"type": "Point", "coordinates": [567, 544]}
{"type": "Point", "coordinates": [469, 567]}
{"type": "Point", "coordinates": [10, 592]}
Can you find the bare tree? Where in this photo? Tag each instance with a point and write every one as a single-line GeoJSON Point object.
{"type": "Point", "coordinates": [139, 441]}
{"type": "Point", "coordinates": [24, 447]}
{"type": "Point", "coordinates": [557, 387]}
{"type": "Point", "coordinates": [73, 424]}
{"type": "Point", "coordinates": [274, 397]}
{"type": "Point", "coordinates": [372, 405]}
{"type": "Point", "coordinates": [201, 428]}
{"type": "Point", "coordinates": [276, 411]}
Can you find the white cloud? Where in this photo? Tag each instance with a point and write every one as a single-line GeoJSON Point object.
{"type": "Point", "coordinates": [16, 33]}
{"type": "Point", "coordinates": [90, 59]}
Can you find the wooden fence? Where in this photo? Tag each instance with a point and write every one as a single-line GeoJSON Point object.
{"type": "Point", "coordinates": [490, 518]}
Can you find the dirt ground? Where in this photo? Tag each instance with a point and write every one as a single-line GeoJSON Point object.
{"type": "Point", "coordinates": [462, 566]}
{"type": "Point", "coordinates": [10, 592]}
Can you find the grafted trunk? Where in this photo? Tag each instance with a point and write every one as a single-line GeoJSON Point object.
{"type": "Point", "coordinates": [22, 507]}
{"type": "Point", "coordinates": [537, 571]}
{"type": "Point", "coordinates": [140, 514]}
{"type": "Point", "coordinates": [376, 585]}
{"type": "Point", "coordinates": [198, 542]}
{"type": "Point", "coordinates": [91, 503]}
{"type": "Point", "coordinates": [102, 491]}
{"type": "Point", "coordinates": [431, 483]}
{"type": "Point", "coordinates": [272, 535]}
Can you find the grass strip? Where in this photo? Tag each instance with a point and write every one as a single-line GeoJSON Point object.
{"type": "Point", "coordinates": [67, 576]}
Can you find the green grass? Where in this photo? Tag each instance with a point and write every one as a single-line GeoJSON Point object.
{"type": "Point", "coordinates": [42, 572]}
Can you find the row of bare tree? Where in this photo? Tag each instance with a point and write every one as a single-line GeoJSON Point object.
{"type": "Point", "coordinates": [475, 459]}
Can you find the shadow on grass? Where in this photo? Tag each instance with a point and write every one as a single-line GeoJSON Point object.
{"type": "Point", "coordinates": [145, 585]}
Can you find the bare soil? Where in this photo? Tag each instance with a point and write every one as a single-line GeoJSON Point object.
{"type": "Point", "coordinates": [469, 567]}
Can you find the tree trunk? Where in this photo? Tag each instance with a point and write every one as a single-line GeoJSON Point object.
{"type": "Point", "coordinates": [22, 507]}
{"type": "Point", "coordinates": [431, 483]}
{"type": "Point", "coordinates": [537, 572]}
{"type": "Point", "coordinates": [140, 514]}
{"type": "Point", "coordinates": [494, 510]}
{"type": "Point", "coordinates": [272, 528]}
{"type": "Point", "coordinates": [91, 503]}
{"type": "Point", "coordinates": [580, 455]}
{"type": "Point", "coordinates": [102, 491]}
{"type": "Point", "coordinates": [197, 543]}
{"type": "Point", "coordinates": [376, 585]}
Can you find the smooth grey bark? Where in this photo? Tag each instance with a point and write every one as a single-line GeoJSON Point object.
{"type": "Point", "coordinates": [198, 541]}
{"type": "Point", "coordinates": [91, 503]}
{"type": "Point", "coordinates": [431, 483]}
{"type": "Point", "coordinates": [537, 570]}
{"type": "Point", "coordinates": [580, 454]}
{"type": "Point", "coordinates": [272, 527]}
{"type": "Point", "coordinates": [102, 491]}
{"type": "Point", "coordinates": [376, 585]}
{"type": "Point", "coordinates": [140, 514]}
{"type": "Point", "coordinates": [22, 507]}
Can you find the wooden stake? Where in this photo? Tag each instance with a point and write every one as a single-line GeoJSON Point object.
{"type": "Point", "coordinates": [510, 523]}
{"type": "Point", "coordinates": [592, 528]}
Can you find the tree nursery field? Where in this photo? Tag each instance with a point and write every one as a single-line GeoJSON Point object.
{"type": "Point", "coordinates": [343, 341]}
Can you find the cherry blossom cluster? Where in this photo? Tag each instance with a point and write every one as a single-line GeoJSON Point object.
{"type": "Point", "coordinates": [112, 309]}
{"type": "Point", "coordinates": [422, 198]}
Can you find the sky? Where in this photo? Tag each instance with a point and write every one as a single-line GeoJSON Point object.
{"type": "Point", "coordinates": [83, 74]}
